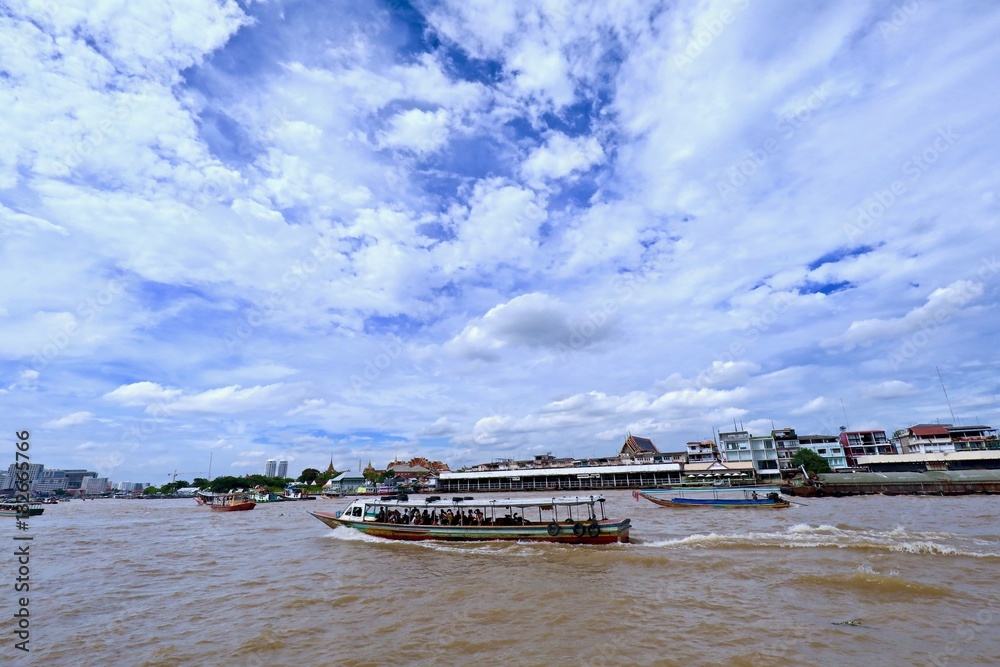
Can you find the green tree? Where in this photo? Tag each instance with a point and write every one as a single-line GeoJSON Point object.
{"type": "Point", "coordinates": [813, 462]}
{"type": "Point", "coordinates": [151, 490]}
{"type": "Point", "coordinates": [200, 482]}
{"type": "Point", "coordinates": [309, 475]}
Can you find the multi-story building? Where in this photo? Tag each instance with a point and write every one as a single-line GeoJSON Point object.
{"type": "Point", "coordinates": [704, 451]}
{"type": "Point", "coordinates": [50, 480]}
{"type": "Point", "coordinates": [282, 468]}
{"type": "Point", "coordinates": [29, 475]}
{"type": "Point", "coordinates": [828, 447]}
{"type": "Point", "coordinates": [94, 486]}
{"type": "Point", "coordinates": [270, 468]}
{"type": "Point", "coordinates": [944, 438]}
{"type": "Point", "coordinates": [739, 446]}
{"type": "Point", "coordinates": [75, 478]}
{"type": "Point", "coordinates": [864, 443]}
{"type": "Point", "coordinates": [786, 443]}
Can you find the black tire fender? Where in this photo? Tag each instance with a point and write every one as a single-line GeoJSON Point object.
{"type": "Point", "coordinates": [593, 529]}
{"type": "Point", "coordinates": [553, 529]}
{"type": "Point", "coordinates": [578, 529]}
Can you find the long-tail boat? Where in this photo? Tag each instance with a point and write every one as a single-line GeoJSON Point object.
{"type": "Point", "coordinates": [232, 502]}
{"type": "Point", "coordinates": [572, 520]}
{"type": "Point", "coordinates": [757, 497]}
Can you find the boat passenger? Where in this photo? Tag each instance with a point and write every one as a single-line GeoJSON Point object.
{"type": "Point", "coordinates": [425, 517]}
{"type": "Point", "coordinates": [380, 517]}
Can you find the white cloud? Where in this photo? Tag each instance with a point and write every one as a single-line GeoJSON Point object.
{"type": "Point", "coordinates": [72, 419]}
{"type": "Point", "coordinates": [142, 393]}
{"type": "Point", "coordinates": [531, 320]}
{"type": "Point", "coordinates": [942, 304]}
{"type": "Point", "coordinates": [562, 156]}
{"type": "Point", "coordinates": [891, 389]}
{"type": "Point", "coordinates": [421, 131]}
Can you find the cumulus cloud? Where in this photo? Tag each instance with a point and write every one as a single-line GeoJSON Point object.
{"type": "Point", "coordinates": [562, 156]}
{"type": "Point", "coordinates": [531, 320]}
{"type": "Point", "coordinates": [420, 131]}
{"type": "Point", "coordinates": [72, 419]}
{"type": "Point", "coordinates": [142, 393]}
{"type": "Point", "coordinates": [942, 304]}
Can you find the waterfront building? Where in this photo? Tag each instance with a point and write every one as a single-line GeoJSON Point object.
{"type": "Point", "coordinates": [703, 451]}
{"type": "Point", "coordinates": [562, 478]}
{"type": "Point", "coordinates": [865, 443]}
{"type": "Point", "coordinates": [786, 443]}
{"type": "Point", "coordinates": [270, 468]}
{"type": "Point", "coordinates": [282, 468]}
{"type": "Point", "coordinates": [33, 471]}
{"type": "Point", "coordinates": [94, 486]}
{"type": "Point", "coordinates": [828, 447]}
{"type": "Point", "coordinates": [405, 471]}
{"type": "Point", "coordinates": [740, 446]}
{"type": "Point", "coordinates": [75, 478]}
{"type": "Point", "coordinates": [943, 438]}
{"type": "Point", "coordinates": [638, 450]}
{"type": "Point", "coordinates": [345, 483]}
{"type": "Point", "coordinates": [50, 480]}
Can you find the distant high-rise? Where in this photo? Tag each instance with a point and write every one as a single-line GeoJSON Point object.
{"type": "Point", "coordinates": [269, 468]}
{"type": "Point", "coordinates": [282, 468]}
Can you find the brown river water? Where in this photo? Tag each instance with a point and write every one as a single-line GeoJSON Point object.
{"type": "Point", "coordinates": [147, 582]}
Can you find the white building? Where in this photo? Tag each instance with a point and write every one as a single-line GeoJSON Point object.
{"type": "Point", "coordinates": [828, 447]}
{"type": "Point", "coordinates": [282, 469]}
{"type": "Point", "coordinates": [740, 446]}
{"type": "Point", "coordinates": [945, 438]}
{"type": "Point", "coordinates": [33, 471]}
{"type": "Point", "coordinates": [270, 468]}
{"type": "Point", "coordinates": [94, 486]}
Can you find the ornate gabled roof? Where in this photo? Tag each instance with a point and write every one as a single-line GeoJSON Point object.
{"type": "Point", "coordinates": [634, 445]}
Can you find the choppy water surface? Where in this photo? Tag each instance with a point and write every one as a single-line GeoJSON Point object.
{"type": "Point", "coordinates": [170, 583]}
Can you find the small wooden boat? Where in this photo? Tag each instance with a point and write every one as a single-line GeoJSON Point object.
{"type": "Point", "coordinates": [572, 520]}
{"type": "Point", "coordinates": [232, 502]}
{"type": "Point", "coordinates": [756, 497]}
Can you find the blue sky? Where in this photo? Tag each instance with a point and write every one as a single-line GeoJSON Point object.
{"type": "Point", "coordinates": [468, 230]}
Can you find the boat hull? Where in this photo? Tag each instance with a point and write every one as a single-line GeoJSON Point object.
{"type": "Point", "coordinates": [16, 511]}
{"type": "Point", "coordinates": [236, 507]}
{"type": "Point", "coordinates": [720, 503]}
{"type": "Point", "coordinates": [610, 531]}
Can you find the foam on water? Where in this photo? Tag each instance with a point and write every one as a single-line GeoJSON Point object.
{"type": "Point", "coordinates": [898, 539]}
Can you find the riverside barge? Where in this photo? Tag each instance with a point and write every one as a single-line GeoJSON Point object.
{"type": "Point", "coordinates": [748, 497]}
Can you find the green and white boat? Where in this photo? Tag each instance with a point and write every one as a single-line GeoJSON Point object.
{"type": "Point", "coordinates": [572, 520]}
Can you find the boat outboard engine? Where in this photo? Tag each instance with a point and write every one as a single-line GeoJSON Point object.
{"type": "Point", "coordinates": [774, 496]}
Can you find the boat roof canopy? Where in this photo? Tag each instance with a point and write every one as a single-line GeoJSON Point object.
{"type": "Point", "coordinates": [437, 502]}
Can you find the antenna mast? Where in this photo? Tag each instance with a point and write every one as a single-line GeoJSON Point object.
{"type": "Point", "coordinates": [947, 400]}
